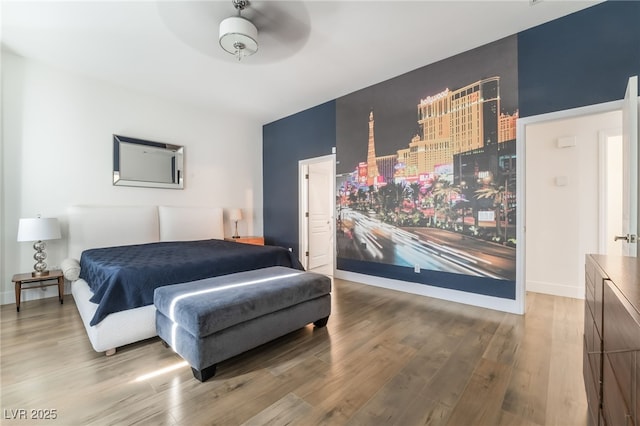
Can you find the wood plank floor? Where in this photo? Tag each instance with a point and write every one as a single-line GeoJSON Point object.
{"type": "Point", "coordinates": [385, 358]}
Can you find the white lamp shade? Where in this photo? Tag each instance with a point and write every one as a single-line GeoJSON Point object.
{"type": "Point", "coordinates": [235, 215]}
{"type": "Point", "coordinates": [237, 29]}
{"type": "Point", "coordinates": [44, 228]}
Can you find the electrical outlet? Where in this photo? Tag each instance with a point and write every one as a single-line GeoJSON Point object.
{"type": "Point", "coordinates": [416, 268]}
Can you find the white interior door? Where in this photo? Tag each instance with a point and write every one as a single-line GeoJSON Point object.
{"type": "Point", "coordinates": [629, 235]}
{"type": "Point", "coordinates": [320, 214]}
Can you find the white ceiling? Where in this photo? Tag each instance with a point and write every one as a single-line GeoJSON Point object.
{"type": "Point", "coordinates": [310, 51]}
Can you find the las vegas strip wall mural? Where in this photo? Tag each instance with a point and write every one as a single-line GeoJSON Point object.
{"type": "Point", "coordinates": [426, 171]}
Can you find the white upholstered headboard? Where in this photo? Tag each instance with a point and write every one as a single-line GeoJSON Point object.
{"type": "Point", "coordinates": [106, 226]}
{"type": "Point", "coordinates": [190, 223]}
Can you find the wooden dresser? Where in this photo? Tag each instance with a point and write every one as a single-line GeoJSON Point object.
{"type": "Point", "coordinates": [611, 364]}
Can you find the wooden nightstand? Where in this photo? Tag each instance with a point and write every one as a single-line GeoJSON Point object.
{"type": "Point", "coordinates": [27, 278]}
{"type": "Point", "coordinates": [257, 241]}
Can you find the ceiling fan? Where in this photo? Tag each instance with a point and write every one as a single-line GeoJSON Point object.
{"type": "Point", "coordinates": [238, 35]}
{"type": "Point", "coordinates": [206, 26]}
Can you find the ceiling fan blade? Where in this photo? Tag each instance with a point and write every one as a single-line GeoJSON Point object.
{"type": "Point", "coordinates": [283, 26]}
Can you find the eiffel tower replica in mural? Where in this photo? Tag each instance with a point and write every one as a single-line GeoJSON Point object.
{"type": "Point", "coordinates": [372, 166]}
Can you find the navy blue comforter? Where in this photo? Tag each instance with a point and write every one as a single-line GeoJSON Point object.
{"type": "Point", "coordinates": [125, 277]}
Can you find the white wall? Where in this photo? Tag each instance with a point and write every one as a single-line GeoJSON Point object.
{"type": "Point", "coordinates": [57, 151]}
{"type": "Point", "coordinates": [562, 221]}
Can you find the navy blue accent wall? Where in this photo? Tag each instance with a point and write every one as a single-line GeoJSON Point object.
{"type": "Point", "coordinates": [307, 134]}
{"type": "Point", "coordinates": [578, 60]}
{"type": "Point", "coordinates": [581, 59]}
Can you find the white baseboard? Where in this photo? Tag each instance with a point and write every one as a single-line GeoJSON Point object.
{"type": "Point", "coordinates": [7, 298]}
{"type": "Point", "coordinates": [556, 289]}
{"type": "Point", "coordinates": [495, 303]}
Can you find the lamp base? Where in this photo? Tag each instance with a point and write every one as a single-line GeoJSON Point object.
{"type": "Point", "coordinates": [40, 267]}
{"type": "Point", "coordinates": [236, 235]}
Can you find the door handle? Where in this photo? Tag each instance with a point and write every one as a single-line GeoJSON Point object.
{"type": "Point", "coordinates": [630, 238]}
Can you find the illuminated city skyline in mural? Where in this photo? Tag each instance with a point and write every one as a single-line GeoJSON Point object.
{"type": "Point", "coordinates": [441, 197]}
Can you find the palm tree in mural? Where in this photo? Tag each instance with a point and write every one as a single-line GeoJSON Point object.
{"type": "Point", "coordinates": [353, 199]}
{"type": "Point", "coordinates": [447, 212]}
{"type": "Point", "coordinates": [498, 195]}
{"type": "Point", "coordinates": [428, 205]}
{"type": "Point", "coordinates": [443, 191]}
{"type": "Point", "coordinates": [362, 199]}
{"type": "Point", "coordinates": [415, 192]}
{"type": "Point", "coordinates": [390, 196]}
{"type": "Point", "coordinates": [384, 195]}
{"type": "Point", "coordinates": [373, 197]}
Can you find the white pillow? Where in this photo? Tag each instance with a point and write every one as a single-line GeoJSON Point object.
{"type": "Point", "coordinates": [70, 269]}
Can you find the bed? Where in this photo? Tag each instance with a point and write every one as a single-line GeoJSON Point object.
{"type": "Point", "coordinates": [98, 230]}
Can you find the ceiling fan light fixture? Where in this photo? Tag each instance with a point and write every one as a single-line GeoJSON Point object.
{"type": "Point", "coordinates": [238, 36]}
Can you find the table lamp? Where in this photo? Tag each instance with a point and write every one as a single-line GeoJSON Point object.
{"type": "Point", "coordinates": [235, 215]}
{"type": "Point", "coordinates": [39, 229]}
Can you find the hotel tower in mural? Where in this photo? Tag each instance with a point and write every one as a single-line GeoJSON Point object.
{"type": "Point", "coordinates": [451, 123]}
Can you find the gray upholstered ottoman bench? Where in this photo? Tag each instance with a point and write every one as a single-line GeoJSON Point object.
{"type": "Point", "coordinates": [210, 320]}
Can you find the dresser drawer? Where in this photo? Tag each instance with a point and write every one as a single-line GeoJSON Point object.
{"type": "Point", "coordinates": [592, 348]}
{"type": "Point", "coordinates": [621, 344]}
{"type": "Point", "coordinates": [612, 317]}
{"type": "Point", "coordinates": [591, 385]}
{"type": "Point", "coordinates": [615, 409]}
{"type": "Point", "coordinates": [593, 291]}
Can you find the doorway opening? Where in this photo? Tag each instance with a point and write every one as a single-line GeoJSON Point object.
{"type": "Point", "coordinates": [542, 269]}
{"type": "Point", "coordinates": [610, 188]}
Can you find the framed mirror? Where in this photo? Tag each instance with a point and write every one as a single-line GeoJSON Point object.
{"type": "Point", "coordinates": [137, 162]}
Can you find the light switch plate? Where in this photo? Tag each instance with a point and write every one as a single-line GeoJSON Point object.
{"type": "Point", "coordinates": [566, 142]}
